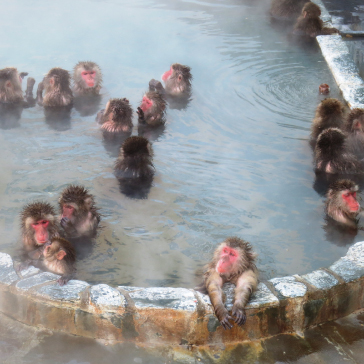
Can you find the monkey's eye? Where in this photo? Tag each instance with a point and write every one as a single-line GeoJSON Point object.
{"type": "Point", "coordinates": [93, 73]}
{"type": "Point", "coordinates": [226, 251]}
{"type": "Point", "coordinates": [44, 222]}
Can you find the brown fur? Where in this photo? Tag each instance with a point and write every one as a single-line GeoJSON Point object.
{"type": "Point", "coordinates": [117, 116]}
{"type": "Point", "coordinates": [154, 116]}
{"type": "Point", "coordinates": [354, 126]}
{"type": "Point", "coordinates": [135, 159]}
{"type": "Point", "coordinates": [175, 87]}
{"type": "Point", "coordinates": [58, 94]}
{"type": "Point", "coordinates": [32, 213]}
{"type": "Point", "coordinates": [244, 276]}
{"type": "Point", "coordinates": [329, 114]}
{"type": "Point", "coordinates": [10, 86]}
{"type": "Point", "coordinates": [287, 9]}
{"type": "Point", "coordinates": [79, 86]}
{"type": "Point", "coordinates": [336, 208]}
{"type": "Point", "coordinates": [85, 218]}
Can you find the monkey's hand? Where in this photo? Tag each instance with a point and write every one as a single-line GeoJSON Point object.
{"type": "Point", "coordinates": [99, 116]}
{"type": "Point", "coordinates": [65, 221]}
{"type": "Point", "coordinates": [23, 74]}
{"type": "Point", "coordinates": [140, 113]}
{"type": "Point", "coordinates": [155, 85]}
{"type": "Point", "coordinates": [63, 280]}
{"type": "Point", "coordinates": [224, 317]}
{"type": "Point", "coordinates": [40, 93]}
{"type": "Point", "coordinates": [23, 265]}
{"type": "Point", "coordinates": [239, 315]}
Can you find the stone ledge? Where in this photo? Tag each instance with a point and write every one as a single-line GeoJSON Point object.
{"type": "Point", "coordinates": [179, 315]}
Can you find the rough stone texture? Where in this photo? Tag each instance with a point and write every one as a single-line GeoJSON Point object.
{"type": "Point", "coordinates": [356, 253]}
{"type": "Point", "coordinates": [28, 283]}
{"type": "Point", "coordinates": [262, 297]}
{"type": "Point", "coordinates": [343, 68]}
{"type": "Point", "coordinates": [321, 279]}
{"type": "Point", "coordinates": [7, 271]}
{"type": "Point", "coordinates": [30, 271]}
{"type": "Point", "coordinates": [104, 295]}
{"type": "Point", "coordinates": [347, 269]}
{"type": "Point", "coordinates": [69, 292]}
{"type": "Point", "coordinates": [163, 297]}
{"type": "Point", "coordinates": [288, 287]}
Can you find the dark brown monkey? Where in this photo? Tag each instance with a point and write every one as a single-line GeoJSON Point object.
{"type": "Point", "coordinates": [310, 24]}
{"type": "Point", "coordinates": [116, 117]}
{"type": "Point", "coordinates": [87, 79]}
{"type": "Point", "coordinates": [151, 110]}
{"type": "Point", "coordinates": [38, 225]}
{"type": "Point", "coordinates": [135, 159]}
{"type": "Point", "coordinates": [342, 204]}
{"type": "Point", "coordinates": [79, 215]}
{"type": "Point", "coordinates": [177, 81]}
{"type": "Point", "coordinates": [233, 261]}
{"type": "Point", "coordinates": [331, 155]}
{"type": "Point", "coordinates": [354, 126]}
{"type": "Point", "coordinates": [329, 114]}
{"type": "Point", "coordinates": [10, 88]}
{"type": "Point", "coordinates": [324, 89]}
{"type": "Point", "coordinates": [286, 10]}
{"type": "Point", "coordinates": [57, 256]}
{"type": "Point", "coordinates": [56, 87]}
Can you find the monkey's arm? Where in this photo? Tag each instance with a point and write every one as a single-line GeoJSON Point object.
{"type": "Point", "coordinates": [40, 93]}
{"type": "Point", "coordinates": [155, 85]}
{"type": "Point", "coordinates": [141, 117]}
{"type": "Point", "coordinates": [214, 285]}
{"type": "Point", "coordinates": [29, 99]}
{"type": "Point", "coordinates": [245, 285]}
{"type": "Point", "coordinates": [69, 274]}
{"type": "Point", "coordinates": [68, 227]}
{"type": "Point", "coordinates": [99, 116]}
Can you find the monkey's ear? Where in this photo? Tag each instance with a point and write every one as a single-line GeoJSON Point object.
{"type": "Point", "coordinates": [304, 14]}
{"type": "Point", "coordinates": [61, 254]}
{"type": "Point", "coordinates": [330, 193]}
{"type": "Point", "coordinates": [88, 202]}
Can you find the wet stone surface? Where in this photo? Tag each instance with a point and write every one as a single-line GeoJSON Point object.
{"type": "Point", "coordinates": [262, 297]}
{"type": "Point", "coordinates": [321, 279]}
{"type": "Point", "coordinates": [356, 253]}
{"type": "Point", "coordinates": [69, 292]}
{"type": "Point", "coordinates": [289, 287]}
{"type": "Point", "coordinates": [347, 269]}
{"type": "Point", "coordinates": [104, 295]}
{"type": "Point", "coordinates": [28, 283]}
{"type": "Point", "coordinates": [7, 271]}
{"type": "Point", "coordinates": [163, 297]}
{"type": "Point", "coordinates": [30, 271]}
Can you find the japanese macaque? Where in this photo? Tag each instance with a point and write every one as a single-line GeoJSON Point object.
{"type": "Point", "coordinates": [342, 204]}
{"type": "Point", "coordinates": [79, 215]}
{"type": "Point", "coordinates": [331, 155]}
{"type": "Point", "coordinates": [87, 79]}
{"type": "Point", "coordinates": [38, 225]}
{"type": "Point", "coordinates": [57, 256]}
{"type": "Point", "coordinates": [286, 10]}
{"type": "Point", "coordinates": [151, 110]}
{"type": "Point", "coordinates": [56, 87]}
{"type": "Point", "coordinates": [116, 117]}
{"type": "Point", "coordinates": [310, 24]}
{"type": "Point", "coordinates": [177, 81]}
{"type": "Point", "coordinates": [329, 114]}
{"type": "Point", "coordinates": [324, 89]}
{"type": "Point", "coordinates": [10, 88]}
{"type": "Point", "coordinates": [234, 262]}
{"type": "Point", "coordinates": [135, 159]}
{"type": "Point", "coordinates": [354, 126]}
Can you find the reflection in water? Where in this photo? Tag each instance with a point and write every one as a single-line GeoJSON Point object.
{"type": "Point", "coordinates": [138, 188]}
{"type": "Point", "coordinates": [87, 105]}
{"type": "Point", "coordinates": [58, 118]}
{"type": "Point", "coordinates": [337, 233]}
{"type": "Point", "coordinates": [113, 141]}
{"type": "Point", "coordinates": [10, 115]}
{"type": "Point", "coordinates": [235, 162]}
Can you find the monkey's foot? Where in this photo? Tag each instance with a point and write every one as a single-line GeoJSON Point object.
{"type": "Point", "coordinates": [239, 315]}
{"type": "Point", "coordinates": [225, 323]}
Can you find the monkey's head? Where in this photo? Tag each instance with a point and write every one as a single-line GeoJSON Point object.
{"type": "Point", "coordinates": [342, 194]}
{"type": "Point", "coordinates": [10, 85]}
{"type": "Point", "coordinates": [177, 79]}
{"type": "Point", "coordinates": [234, 255]}
{"type": "Point", "coordinates": [329, 107]}
{"type": "Point", "coordinates": [57, 78]}
{"type": "Point", "coordinates": [330, 142]}
{"type": "Point", "coordinates": [75, 201]}
{"type": "Point", "coordinates": [120, 109]}
{"type": "Point", "coordinates": [324, 89]}
{"type": "Point", "coordinates": [38, 221]}
{"type": "Point", "coordinates": [136, 146]}
{"type": "Point", "coordinates": [87, 75]}
{"type": "Point", "coordinates": [59, 249]}
{"type": "Point", "coordinates": [152, 102]}
{"type": "Point", "coordinates": [311, 10]}
{"type": "Point", "coordinates": [355, 121]}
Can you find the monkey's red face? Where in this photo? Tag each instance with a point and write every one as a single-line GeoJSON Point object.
{"type": "Point", "coordinates": [67, 211]}
{"type": "Point", "coordinates": [227, 260]}
{"type": "Point", "coordinates": [324, 89]}
{"type": "Point", "coordinates": [351, 201]}
{"type": "Point", "coordinates": [41, 231]}
{"type": "Point", "coordinates": [146, 104]}
{"type": "Point", "coordinates": [167, 75]}
{"type": "Point", "coordinates": [89, 77]}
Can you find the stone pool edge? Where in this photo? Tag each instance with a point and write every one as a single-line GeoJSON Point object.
{"type": "Point", "coordinates": [180, 316]}
{"type": "Point", "coordinates": [341, 63]}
